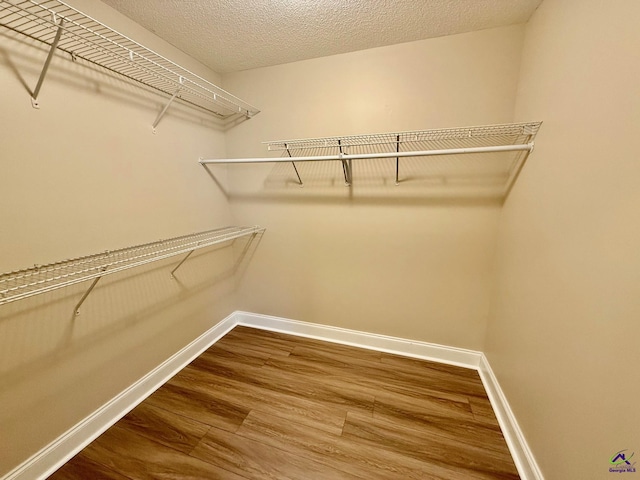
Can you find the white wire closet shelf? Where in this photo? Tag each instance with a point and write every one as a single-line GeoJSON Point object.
{"type": "Point", "coordinates": [515, 139]}
{"type": "Point", "coordinates": [471, 135]}
{"type": "Point", "coordinates": [61, 26]}
{"type": "Point", "coordinates": [39, 279]}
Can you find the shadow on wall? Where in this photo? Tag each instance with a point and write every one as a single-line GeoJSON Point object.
{"type": "Point", "coordinates": [43, 330]}
{"type": "Point", "coordinates": [25, 57]}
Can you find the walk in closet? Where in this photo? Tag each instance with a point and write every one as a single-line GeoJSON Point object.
{"type": "Point", "coordinates": [286, 239]}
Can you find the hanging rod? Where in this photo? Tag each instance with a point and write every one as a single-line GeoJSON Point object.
{"type": "Point", "coordinates": [39, 279]}
{"type": "Point", "coordinates": [57, 24]}
{"type": "Point", "coordinates": [363, 156]}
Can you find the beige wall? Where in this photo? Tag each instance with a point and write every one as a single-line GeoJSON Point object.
{"type": "Point", "coordinates": [79, 176]}
{"type": "Point", "coordinates": [564, 328]}
{"type": "Point", "coordinates": [401, 261]}
{"type": "Point", "coordinates": [84, 174]}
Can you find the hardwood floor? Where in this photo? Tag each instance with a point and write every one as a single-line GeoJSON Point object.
{"type": "Point", "coordinates": [264, 405]}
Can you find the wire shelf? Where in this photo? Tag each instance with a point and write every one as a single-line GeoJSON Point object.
{"type": "Point", "coordinates": [44, 278]}
{"type": "Point", "coordinates": [505, 134]}
{"type": "Point", "coordinates": [86, 38]}
{"type": "Point", "coordinates": [512, 142]}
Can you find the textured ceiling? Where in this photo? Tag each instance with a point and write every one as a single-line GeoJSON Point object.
{"type": "Point", "coordinates": [232, 35]}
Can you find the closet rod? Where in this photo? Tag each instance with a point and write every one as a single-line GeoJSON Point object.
{"type": "Point", "coordinates": [361, 156]}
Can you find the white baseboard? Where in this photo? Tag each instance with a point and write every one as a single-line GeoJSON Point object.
{"type": "Point", "coordinates": [50, 458]}
{"type": "Point", "coordinates": [54, 455]}
{"type": "Point", "coordinates": [520, 451]}
{"type": "Point", "coordinates": [371, 341]}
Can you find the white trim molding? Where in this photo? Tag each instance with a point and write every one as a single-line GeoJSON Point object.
{"type": "Point", "coordinates": [50, 458]}
{"type": "Point", "coordinates": [520, 451]}
{"type": "Point", "coordinates": [371, 341]}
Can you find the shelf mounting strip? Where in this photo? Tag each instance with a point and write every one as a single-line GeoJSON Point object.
{"type": "Point", "coordinates": [55, 23]}
{"type": "Point", "coordinates": [38, 279]}
{"type": "Point", "coordinates": [514, 137]}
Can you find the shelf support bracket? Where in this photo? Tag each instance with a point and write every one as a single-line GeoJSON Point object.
{"type": "Point", "coordinates": [166, 107]}
{"type": "Point", "coordinates": [180, 264]}
{"type": "Point", "coordinates": [346, 167]}
{"type": "Point", "coordinates": [86, 294]}
{"type": "Point", "coordinates": [398, 160]}
{"type": "Point", "coordinates": [47, 62]}
{"type": "Point", "coordinates": [248, 244]}
{"type": "Point", "coordinates": [294, 166]}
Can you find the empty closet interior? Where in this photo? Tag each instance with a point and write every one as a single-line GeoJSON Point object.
{"type": "Point", "coordinates": [467, 196]}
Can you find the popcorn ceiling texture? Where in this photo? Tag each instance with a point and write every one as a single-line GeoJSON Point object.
{"type": "Point", "coordinates": [233, 35]}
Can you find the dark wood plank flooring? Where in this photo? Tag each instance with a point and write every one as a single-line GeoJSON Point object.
{"type": "Point", "coordinates": [265, 405]}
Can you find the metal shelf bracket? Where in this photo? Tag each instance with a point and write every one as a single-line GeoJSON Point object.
{"type": "Point", "coordinates": [76, 310]}
{"type": "Point", "coordinates": [47, 62]}
{"type": "Point", "coordinates": [180, 264]}
{"type": "Point", "coordinates": [166, 107]}
{"type": "Point", "coordinates": [397, 160]}
{"type": "Point", "coordinates": [294, 166]}
{"type": "Point", "coordinates": [346, 166]}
